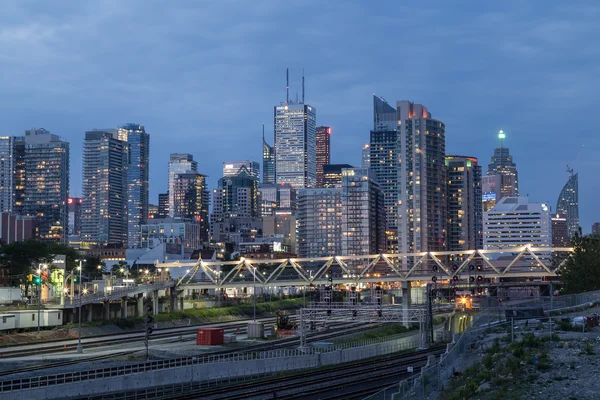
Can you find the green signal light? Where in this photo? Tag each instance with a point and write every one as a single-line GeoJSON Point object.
{"type": "Point", "coordinates": [501, 135]}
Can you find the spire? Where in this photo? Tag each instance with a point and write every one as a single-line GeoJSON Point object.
{"type": "Point", "coordinates": [302, 85]}
{"type": "Point", "coordinates": [287, 86]}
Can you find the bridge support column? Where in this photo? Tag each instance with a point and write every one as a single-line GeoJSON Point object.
{"type": "Point", "coordinates": [124, 307]}
{"type": "Point", "coordinates": [106, 310]}
{"type": "Point", "coordinates": [90, 312]}
{"type": "Point", "coordinates": [172, 300]}
{"type": "Point", "coordinates": [406, 299]}
{"type": "Point", "coordinates": [71, 315]}
{"type": "Point", "coordinates": [139, 305]}
{"type": "Point", "coordinates": [181, 304]}
{"type": "Point", "coordinates": [155, 301]}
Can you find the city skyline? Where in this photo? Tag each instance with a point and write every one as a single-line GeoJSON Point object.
{"type": "Point", "coordinates": [534, 67]}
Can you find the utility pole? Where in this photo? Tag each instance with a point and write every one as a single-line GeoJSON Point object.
{"type": "Point", "coordinates": [39, 295]}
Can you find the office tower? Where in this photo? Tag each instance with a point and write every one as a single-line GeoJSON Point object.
{"type": "Point", "coordinates": [276, 199]}
{"type": "Point", "coordinates": [46, 162]}
{"type": "Point", "coordinates": [595, 228]}
{"type": "Point", "coordinates": [560, 236]}
{"type": "Point", "coordinates": [104, 186]}
{"type": "Point", "coordinates": [506, 182]}
{"type": "Point", "coordinates": [75, 215]}
{"type": "Point", "coordinates": [236, 196]}
{"type": "Point", "coordinates": [415, 190]}
{"type": "Point", "coordinates": [268, 162]}
{"type": "Point", "coordinates": [176, 232]}
{"type": "Point", "coordinates": [366, 155]}
{"type": "Point", "coordinates": [179, 164]}
{"type": "Point", "coordinates": [465, 224]}
{"type": "Point", "coordinates": [137, 179]}
{"type": "Point", "coordinates": [363, 213]}
{"type": "Point", "coordinates": [568, 204]}
{"type": "Point", "coordinates": [318, 222]}
{"type": "Point", "coordinates": [12, 173]}
{"type": "Point", "coordinates": [515, 222]}
{"type": "Point", "coordinates": [15, 228]}
{"type": "Point", "coordinates": [191, 198]}
{"type": "Point", "coordinates": [323, 151]}
{"type": "Point", "coordinates": [332, 174]}
{"type": "Point", "coordinates": [163, 205]}
{"type": "Point", "coordinates": [152, 211]}
{"type": "Point", "coordinates": [295, 145]}
{"type": "Point", "coordinates": [232, 168]}
{"type": "Point", "coordinates": [489, 183]}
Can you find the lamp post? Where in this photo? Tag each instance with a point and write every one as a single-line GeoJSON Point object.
{"type": "Point", "coordinates": [39, 294]}
{"type": "Point", "coordinates": [99, 271]}
{"type": "Point", "coordinates": [254, 291]}
{"type": "Point", "coordinates": [79, 346]}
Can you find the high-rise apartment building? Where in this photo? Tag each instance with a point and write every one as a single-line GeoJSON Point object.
{"type": "Point", "coordinates": [363, 213]}
{"type": "Point", "coordinates": [46, 166]}
{"type": "Point", "coordinates": [104, 185]}
{"type": "Point", "coordinates": [332, 174]}
{"type": "Point", "coordinates": [295, 145]}
{"type": "Point", "coordinates": [318, 222]}
{"type": "Point", "coordinates": [465, 223]}
{"type": "Point", "coordinates": [268, 162]}
{"type": "Point", "coordinates": [12, 173]}
{"type": "Point", "coordinates": [366, 155]}
{"type": "Point", "coordinates": [138, 141]}
{"type": "Point", "coordinates": [233, 168]}
{"type": "Point", "coordinates": [415, 189]}
{"type": "Point", "coordinates": [595, 228]}
{"type": "Point", "coordinates": [179, 164]}
{"type": "Point", "coordinates": [75, 215]}
{"type": "Point", "coordinates": [568, 204]}
{"type": "Point", "coordinates": [191, 198]}
{"type": "Point", "coordinates": [163, 205]}
{"type": "Point", "coordinates": [560, 236]}
{"type": "Point", "coordinates": [323, 151]}
{"type": "Point", "coordinates": [515, 222]}
{"type": "Point", "coordinates": [506, 180]}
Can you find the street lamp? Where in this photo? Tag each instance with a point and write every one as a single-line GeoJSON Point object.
{"type": "Point", "coordinates": [79, 347]}
{"type": "Point", "coordinates": [254, 290]}
{"type": "Point", "coordinates": [100, 271]}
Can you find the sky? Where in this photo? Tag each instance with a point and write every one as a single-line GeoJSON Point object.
{"type": "Point", "coordinates": [203, 76]}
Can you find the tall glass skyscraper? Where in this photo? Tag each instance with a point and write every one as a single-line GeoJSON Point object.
{"type": "Point", "coordinates": [268, 162]}
{"type": "Point", "coordinates": [137, 179]}
{"type": "Point", "coordinates": [191, 199]}
{"type": "Point", "coordinates": [232, 168]}
{"type": "Point", "coordinates": [12, 173]}
{"type": "Point", "coordinates": [46, 162]}
{"type": "Point", "coordinates": [295, 145]}
{"type": "Point", "coordinates": [179, 163]}
{"type": "Point", "coordinates": [105, 201]}
{"type": "Point", "coordinates": [504, 181]}
{"type": "Point", "coordinates": [568, 204]}
{"type": "Point", "coordinates": [323, 151]}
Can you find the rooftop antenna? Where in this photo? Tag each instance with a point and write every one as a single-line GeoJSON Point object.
{"type": "Point", "coordinates": [501, 137]}
{"type": "Point", "coordinates": [287, 86]}
{"type": "Point", "coordinates": [263, 132]}
{"type": "Point", "coordinates": [302, 85]}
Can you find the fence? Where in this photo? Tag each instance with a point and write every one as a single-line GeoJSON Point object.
{"type": "Point", "coordinates": [489, 325]}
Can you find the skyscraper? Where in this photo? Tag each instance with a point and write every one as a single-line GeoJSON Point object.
{"type": "Point", "coordinates": [415, 190]}
{"type": "Point", "coordinates": [595, 228]}
{"type": "Point", "coordinates": [465, 224]}
{"type": "Point", "coordinates": [332, 174]}
{"type": "Point", "coordinates": [232, 168]}
{"type": "Point", "coordinates": [137, 179]}
{"type": "Point", "coordinates": [560, 237]}
{"type": "Point", "coordinates": [191, 198]}
{"type": "Point", "coordinates": [295, 145]}
{"type": "Point", "coordinates": [568, 204]}
{"type": "Point", "coordinates": [46, 162]}
{"type": "Point", "coordinates": [506, 180]}
{"type": "Point", "coordinates": [163, 205]}
{"type": "Point", "coordinates": [12, 173]}
{"type": "Point", "coordinates": [268, 161]}
{"type": "Point", "coordinates": [366, 155]}
{"type": "Point", "coordinates": [104, 186]}
{"type": "Point", "coordinates": [363, 213]}
{"type": "Point", "coordinates": [236, 196]}
{"type": "Point", "coordinates": [75, 215]}
{"type": "Point", "coordinates": [323, 151]}
{"type": "Point", "coordinates": [319, 218]}
{"type": "Point", "coordinates": [179, 164]}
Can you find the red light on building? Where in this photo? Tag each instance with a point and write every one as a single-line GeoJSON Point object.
{"type": "Point", "coordinates": [70, 201]}
{"type": "Point", "coordinates": [329, 131]}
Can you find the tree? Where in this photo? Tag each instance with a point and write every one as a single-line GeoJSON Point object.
{"type": "Point", "coordinates": [581, 271]}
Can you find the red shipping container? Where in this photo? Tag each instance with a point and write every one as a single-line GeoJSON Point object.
{"type": "Point", "coordinates": [209, 336]}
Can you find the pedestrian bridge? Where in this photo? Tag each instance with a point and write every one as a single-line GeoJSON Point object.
{"type": "Point", "coordinates": [470, 266]}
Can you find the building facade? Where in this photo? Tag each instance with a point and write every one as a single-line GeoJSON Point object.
{"type": "Point", "coordinates": [46, 166]}
{"type": "Point", "coordinates": [233, 168]}
{"type": "Point", "coordinates": [323, 151]}
{"type": "Point", "coordinates": [187, 233]}
{"type": "Point", "coordinates": [268, 162]}
{"type": "Point", "coordinates": [363, 213]}
{"type": "Point", "coordinates": [276, 199]}
{"type": "Point", "coordinates": [295, 145]}
{"type": "Point", "coordinates": [163, 205]}
{"type": "Point", "coordinates": [179, 163]}
{"type": "Point", "coordinates": [318, 222]}
{"type": "Point", "coordinates": [12, 173]}
{"type": "Point", "coordinates": [332, 175]}
{"type": "Point", "coordinates": [506, 181]}
{"type": "Point", "coordinates": [595, 228]}
{"type": "Point", "coordinates": [104, 186]}
{"type": "Point", "coordinates": [465, 215]}
{"type": "Point", "coordinates": [75, 215]}
{"type": "Point", "coordinates": [138, 186]}
{"type": "Point", "coordinates": [514, 222]}
{"type": "Point", "coordinates": [191, 198]}
{"type": "Point", "coordinates": [15, 228]}
{"type": "Point", "coordinates": [568, 204]}
{"type": "Point", "coordinates": [560, 235]}
{"type": "Point", "coordinates": [366, 155]}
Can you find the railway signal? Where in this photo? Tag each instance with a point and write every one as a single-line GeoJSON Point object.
{"type": "Point", "coordinates": [149, 319]}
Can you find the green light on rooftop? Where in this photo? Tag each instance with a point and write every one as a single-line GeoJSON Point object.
{"type": "Point", "coordinates": [501, 135]}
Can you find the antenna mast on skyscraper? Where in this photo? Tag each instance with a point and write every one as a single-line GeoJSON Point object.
{"type": "Point", "coordinates": [263, 132]}
{"type": "Point", "coordinates": [501, 137]}
{"type": "Point", "coordinates": [287, 86]}
{"type": "Point", "coordinates": [302, 85]}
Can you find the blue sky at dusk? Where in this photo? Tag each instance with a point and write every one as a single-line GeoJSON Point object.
{"type": "Point", "coordinates": [203, 76]}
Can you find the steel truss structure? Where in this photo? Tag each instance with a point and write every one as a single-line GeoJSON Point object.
{"type": "Point", "coordinates": [518, 262]}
